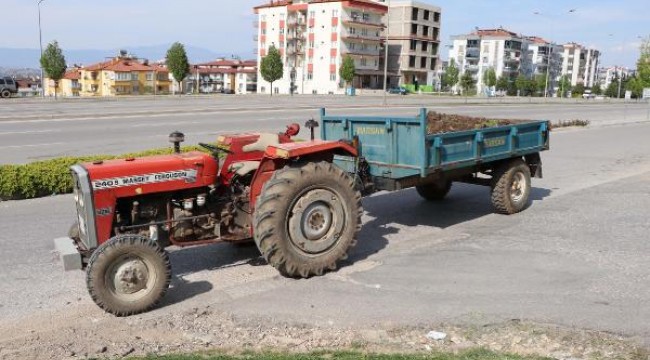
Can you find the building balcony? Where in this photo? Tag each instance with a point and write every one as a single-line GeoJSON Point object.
{"type": "Point", "coordinates": [292, 50]}
{"type": "Point", "coordinates": [295, 36]}
{"type": "Point", "coordinates": [363, 22]}
{"type": "Point", "coordinates": [361, 38]}
{"type": "Point", "coordinates": [296, 22]}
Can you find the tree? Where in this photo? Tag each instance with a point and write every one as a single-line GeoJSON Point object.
{"type": "Point", "coordinates": [564, 85]}
{"type": "Point", "coordinates": [53, 64]}
{"type": "Point", "coordinates": [490, 78]}
{"type": "Point", "coordinates": [643, 64]}
{"type": "Point", "coordinates": [177, 63]}
{"type": "Point", "coordinates": [450, 79]}
{"type": "Point", "coordinates": [271, 67]}
{"type": "Point", "coordinates": [635, 85]}
{"type": "Point", "coordinates": [578, 90]}
{"type": "Point", "coordinates": [612, 89]}
{"type": "Point", "coordinates": [467, 82]}
{"type": "Point", "coordinates": [502, 83]}
{"type": "Point", "coordinates": [596, 89]}
{"type": "Point", "coordinates": [347, 70]}
{"type": "Point", "coordinates": [522, 84]}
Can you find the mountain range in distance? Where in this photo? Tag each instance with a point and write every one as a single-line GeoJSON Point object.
{"type": "Point", "coordinates": [29, 58]}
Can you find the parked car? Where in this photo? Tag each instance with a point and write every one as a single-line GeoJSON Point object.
{"type": "Point", "coordinates": [398, 90]}
{"type": "Point", "coordinates": [8, 86]}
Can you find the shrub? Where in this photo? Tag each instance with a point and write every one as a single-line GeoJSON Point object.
{"type": "Point", "coordinates": [51, 177]}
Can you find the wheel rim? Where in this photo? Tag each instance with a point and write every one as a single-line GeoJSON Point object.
{"type": "Point", "coordinates": [316, 221]}
{"type": "Point", "coordinates": [518, 187]}
{"type": "Point", "coordinates": [129, 278]}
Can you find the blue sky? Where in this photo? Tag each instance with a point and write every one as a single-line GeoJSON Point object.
{"type": "Point", "coordinates": [225, 26]}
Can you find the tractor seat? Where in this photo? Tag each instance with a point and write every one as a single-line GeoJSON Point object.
{"type": "Point", "coordinates": [242, 168]}
{"type": "Point", "coordinates": [265, 140]}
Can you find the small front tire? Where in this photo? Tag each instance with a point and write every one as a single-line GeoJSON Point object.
{"type": "Point", "coordinates": [128, 274]}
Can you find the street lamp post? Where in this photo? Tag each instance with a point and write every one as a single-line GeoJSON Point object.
{"type": "Point", "coordinates": [386, 53]}
{"type": "Point", "coordinates": [40, 41]}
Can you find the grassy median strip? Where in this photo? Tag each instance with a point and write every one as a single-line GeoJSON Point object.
{"type": "Point", "coordinates": [52, 177]}
{"type": "Point", "coordinates": [474, 354]}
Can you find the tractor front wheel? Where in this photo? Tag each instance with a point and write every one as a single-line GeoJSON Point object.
{"type": "Point", "coordinates": [306, 219]}
{"type": "Point", "coordinates": [128, 274]}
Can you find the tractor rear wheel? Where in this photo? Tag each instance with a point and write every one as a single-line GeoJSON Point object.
{"type": "Point", "coordinates": [511, 187]}
{"type": "Point", "coordinates": [128, 274]}
{"type": "Point", "coordinates": [434, 191]}
{"type": "Point", "coordinates": [306, 219]}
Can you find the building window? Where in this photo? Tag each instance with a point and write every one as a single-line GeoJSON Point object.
{"type": "Point", "coordinates": [263, 17]}
{"type": "Point", "coordinates": [149, 76]}
{"type": "Point", "coordinates": [426, 15]}
{"type": "Point", "coordinates": [414, 29]}
{"type": "Point", "coordinates": [352, 31]}
{"type": "Point", "coordinates": [310, 76]}
{"type": "Point", "coordinates": [364, 32]}
{"type": "Point", "coordinates": [335, 13]}
{"type": "Point", "coordinates": [122, 76]}
{"type": "Point", "coordinates": [312, 14]}
{"type": "Point", "coordinates": [412, 61]}
{"type": "Point", "coordinates": [333, 76]}
{"type": "Point", "coordinates": [333, 60]}
{"type": "Point", "coordinates": [425, 46]}
{"type": "Point", "coordinates": [376, 62]}
{"type": "Point", "coordinates": [432, 65]}
{"type": "Point", "coordinates": [423, 62]}
{"type": "Point", "coordinates": [414, 14]}
{"type": "Point", "coordinates": [436, 17]}
{"type": "Point", "coordinates": [414, 45]}
{"type": "Point", "coordinates": [282, 45]}
{"type": "Point", "coordinates": [311, 44]}
{"type": "Point", "coordinates": [351, 46]}
{"type": "Point", "coordinates": [335, 44]}
{"type": "Point", "coordinates": [425, 30]}
{"type": "Point", "coordinates": [366, 17]}
{"type": "Point", "coordinates": [363, 62]}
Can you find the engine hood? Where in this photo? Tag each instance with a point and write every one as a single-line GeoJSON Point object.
{"type": "Point", "coordinates": [153, 173]}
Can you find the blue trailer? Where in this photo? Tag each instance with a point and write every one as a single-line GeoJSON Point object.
{"type": "Point", "coordinates": [397, 153]}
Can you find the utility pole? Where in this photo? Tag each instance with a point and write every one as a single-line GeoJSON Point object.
{"type": "Point", "coordinates": [40, 41]}
{"type": "Point", "coordinates": [386, 54]}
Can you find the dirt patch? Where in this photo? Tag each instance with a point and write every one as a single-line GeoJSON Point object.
{"type": "Point", "coordinates": [91, 334]}
{"type": "Point", "coordinates": [438, 123]}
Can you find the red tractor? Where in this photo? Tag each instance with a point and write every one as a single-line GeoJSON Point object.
{"type": "Point", "coordinates": [302, 211]}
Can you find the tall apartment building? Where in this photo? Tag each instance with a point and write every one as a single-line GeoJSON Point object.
{"type": "Point", "coordinates": [499, 49]}
{"type": "Point", "coordinates": [544, 59]}
{"type": "Point", "coordinates": [580, 64]}
{"type": "Point", "coordinates": [313, 36]}
{"type": "Point", "coordinates": [413, 42]}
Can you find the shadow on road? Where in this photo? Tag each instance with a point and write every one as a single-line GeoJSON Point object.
{"type": "Point", "coordinates": [406, 208]}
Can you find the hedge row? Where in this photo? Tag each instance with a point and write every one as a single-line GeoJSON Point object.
{"type": "Point", "coordinates": [52, 177]}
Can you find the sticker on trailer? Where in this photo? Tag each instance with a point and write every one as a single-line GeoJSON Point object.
{"type": "Point", "coordinates": [188, 175]}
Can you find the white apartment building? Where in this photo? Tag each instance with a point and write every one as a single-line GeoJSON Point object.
{"type": "Point", "coordinates": [544, 59]}
{"type": "Point", "coordinates": [609, 74]}
{"type": "Point", "coordinates": [223, 75]}
{"type": "Point", "coordinates": [313, 36]}
{"type": "Point", "coordinates": [580, 64]}
{"type": "Point", "coordinates": [499, 49]}
{"type": "Point", "coordinates": [413, 42]}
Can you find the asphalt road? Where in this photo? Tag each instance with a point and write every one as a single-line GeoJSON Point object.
{"type": "Point", "coordinates": [577, 257]}
{"type": "Point", "coordinates": [34, 130]}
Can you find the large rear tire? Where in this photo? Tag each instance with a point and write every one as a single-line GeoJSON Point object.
{"type": "Point", "coordinates": [128, 274]}
{"type": "Point", "coordinates": [511, 187]}
{"type": "Point", "coordinates": [435, 191]}
{"type": "Point", "coordinates": [306, 219]}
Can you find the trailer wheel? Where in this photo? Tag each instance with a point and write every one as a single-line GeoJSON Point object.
{"type": "Point", "coordinates": [511, 187]}
{"type": "Point", "coordinates": [306, 219]}
{"type": "Point", "coordinates": [128, 274]}
{"type": "Point", "coordinates": [434, 191]}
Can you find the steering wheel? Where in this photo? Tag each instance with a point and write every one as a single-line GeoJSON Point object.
{"type": "Point", "coordinates": [213, 148]}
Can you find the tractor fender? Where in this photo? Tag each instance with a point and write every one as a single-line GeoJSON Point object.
{"type": "Point", "coordinates": [278, 156]}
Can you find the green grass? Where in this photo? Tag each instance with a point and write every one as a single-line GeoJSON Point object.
{"type": "Point", "coordinates": [475, 354]}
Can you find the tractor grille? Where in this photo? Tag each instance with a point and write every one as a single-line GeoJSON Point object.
{"type": "Point", "coordinates": [84, 202]}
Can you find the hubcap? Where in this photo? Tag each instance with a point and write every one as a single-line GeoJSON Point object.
{"type": "Point", "coordinates": [129, 278]}
{"type": "Point", "coordinates": [316, 221]}
{"type": "Point", "coordinates": [518, 187]}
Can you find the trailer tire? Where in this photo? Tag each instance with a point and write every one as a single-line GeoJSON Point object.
{"type": "Point", "coordinates": [511, 187]}
{"type": "Point", "coordinates": [435, 191]}
{"type": "Point", "coordinates": [128, 274]}
{"type": "Point", "coordinates": [307, 218]}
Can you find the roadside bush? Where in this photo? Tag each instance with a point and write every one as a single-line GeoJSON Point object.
{"type": "Point", "coordinates": [51, 177]}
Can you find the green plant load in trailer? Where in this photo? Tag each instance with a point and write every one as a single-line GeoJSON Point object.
{"type": "Point", "coordinates": [397, 153]}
